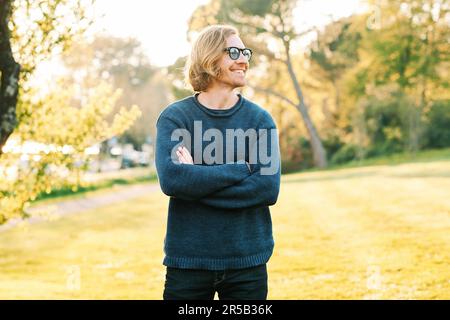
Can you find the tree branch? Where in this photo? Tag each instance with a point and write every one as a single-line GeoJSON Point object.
{"type": "Point", "coordinates": [275, 94]}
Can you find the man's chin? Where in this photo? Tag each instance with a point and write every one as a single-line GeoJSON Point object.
{"type": "Point", "coordinates": [236, 84]}
{"type": "Point", "coordinates": [239, 84]}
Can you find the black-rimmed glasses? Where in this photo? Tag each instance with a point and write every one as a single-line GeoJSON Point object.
{"type": "Point", "coordinates": [235, 52]}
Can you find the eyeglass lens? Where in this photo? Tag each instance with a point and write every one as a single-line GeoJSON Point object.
{"type": "Point", "coordinates": [235, 52]}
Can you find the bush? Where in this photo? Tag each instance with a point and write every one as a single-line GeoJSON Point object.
{"type": "Point", "coordinates": [437, 134]}
{"type": "Point", "coordinates": [297, 156]}
{"type": "Point", "coordinates": [291, 166]}
{"type": "Point", "coordinates": [346, 153]}
{"type": "Point", "coordinates": [332, 144]}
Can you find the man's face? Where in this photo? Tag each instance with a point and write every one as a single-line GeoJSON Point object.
{"type": "Point", "coordinates": [233, 71]}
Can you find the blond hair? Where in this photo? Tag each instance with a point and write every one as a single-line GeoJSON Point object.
{"type": "Point", "coordinates": [201, 66]}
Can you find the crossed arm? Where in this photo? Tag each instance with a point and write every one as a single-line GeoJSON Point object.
{"type": "Point", "coordinates": [186, 180]}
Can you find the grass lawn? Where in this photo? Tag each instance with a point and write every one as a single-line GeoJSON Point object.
{"type": "Point", "coordinates": [354, 233]}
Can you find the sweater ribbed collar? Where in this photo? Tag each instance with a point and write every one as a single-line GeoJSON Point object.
{"type": "Point", "coordinates": [219, 112]}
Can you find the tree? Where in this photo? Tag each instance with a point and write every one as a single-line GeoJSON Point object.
{"type": "Point", "coordinates": [335, 51]}
{"type": "Point", "coordinates": [47, 133]}
{"type": "Point", "coordinates": [123, 63]}
{"type": "Point", "coordinates": [410, 47]}
{"type": "Point", "coordinates": [30, 32]}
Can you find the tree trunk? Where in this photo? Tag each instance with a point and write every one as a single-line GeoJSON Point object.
{"type": "Point", "coordinates": [9, 77]}
{"type": "Point", "coordinates": [319, 153]}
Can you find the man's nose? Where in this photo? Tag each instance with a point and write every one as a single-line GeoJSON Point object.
{"type": "Point", "coordinates": [242, 58]}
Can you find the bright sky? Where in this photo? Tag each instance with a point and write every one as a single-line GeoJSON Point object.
{"type": "Point", "coordinates": [161, 26]}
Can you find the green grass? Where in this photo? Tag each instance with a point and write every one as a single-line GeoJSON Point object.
{"type": "Point", "coordinates": [115, 249]}
{"type": "Point", "coordinates": [373, 232]}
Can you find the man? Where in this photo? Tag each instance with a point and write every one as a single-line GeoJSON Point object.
{"type": "Point", "coordinates": [219, 229]}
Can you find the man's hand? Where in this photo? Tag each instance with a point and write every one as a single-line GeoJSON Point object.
{"type": "Point", "coordinates": [184, 156]}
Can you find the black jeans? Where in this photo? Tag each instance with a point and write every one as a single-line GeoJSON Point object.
{"type": "Point", "coordinates": [232, 284]}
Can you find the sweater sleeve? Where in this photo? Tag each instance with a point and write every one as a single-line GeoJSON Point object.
{"type": "Point", "coordinates": [262, 187]}
{"type": "Point", "coordinates": [187, 181]}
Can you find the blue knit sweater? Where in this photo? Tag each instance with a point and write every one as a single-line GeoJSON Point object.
{"type": "Point", "coordinates": [218, 216]}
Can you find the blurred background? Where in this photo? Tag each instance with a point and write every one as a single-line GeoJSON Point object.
{"type": "Point", "coordinates": [360, 94]}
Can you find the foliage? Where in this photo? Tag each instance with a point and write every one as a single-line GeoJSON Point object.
{"type": "Point", "coordinates": [64, 133]}
{"type": "Point", "coordinates": [437, 134]}
{"type": "Point", "coordinates": [47, 150]}
{"type": "Point", "coordinates": [123, 63]}
{"type": "Point", "coordinates": [387, 120]}
{"type": "Point", "coordinates": [43, 28]}
{"type": "Point", "coordinates": [346, 153]}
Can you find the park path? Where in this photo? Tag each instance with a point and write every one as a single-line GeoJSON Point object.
{"type": "Point", "coordinates": [67, 207]}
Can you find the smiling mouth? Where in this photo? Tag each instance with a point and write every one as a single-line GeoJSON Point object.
{"type": "Point", "coordinates": [240, 72]}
